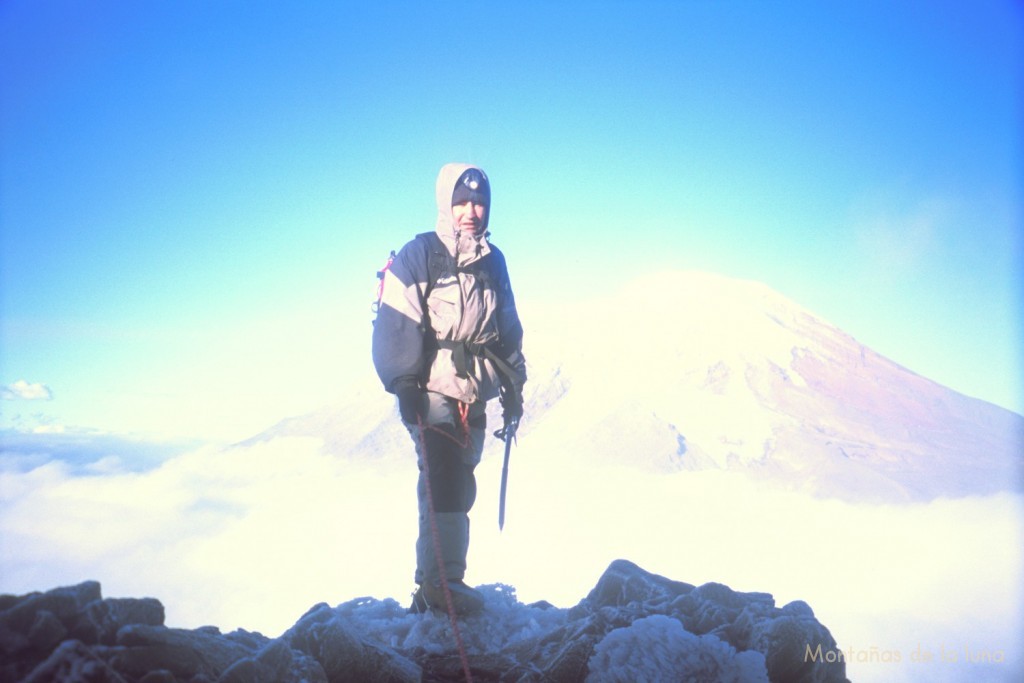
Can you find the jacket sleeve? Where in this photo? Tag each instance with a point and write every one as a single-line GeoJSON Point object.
{"type": "Point", "coordinates": [398, 332]}
{"type": "Point", "coordinates": [510, 329]}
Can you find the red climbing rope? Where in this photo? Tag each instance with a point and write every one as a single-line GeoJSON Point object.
{"type": "Point", "coordinates": [436, 534]}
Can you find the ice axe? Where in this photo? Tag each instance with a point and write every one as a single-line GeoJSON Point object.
{"type": "Point", "coordinates": [511, 395]}
{"type": "Point", "coordinates": [508, 435]}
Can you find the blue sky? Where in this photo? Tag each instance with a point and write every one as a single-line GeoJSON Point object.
{"type": "Point", "coordinates": [194, 196]}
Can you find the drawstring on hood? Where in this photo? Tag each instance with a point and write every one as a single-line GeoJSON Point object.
{"type": "Point", "coordinates": [448, 188]}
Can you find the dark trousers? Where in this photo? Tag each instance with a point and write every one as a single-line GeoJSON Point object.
{"type": "Point", "coordinates": [448, 451]}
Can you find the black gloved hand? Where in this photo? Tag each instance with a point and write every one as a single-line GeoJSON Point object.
{"type": "Point", "coordinates": [510, 428]}
{"type": "Point", "coordinates": [512, 412]}
{"type": "Point", "coordinates": [411, 405]}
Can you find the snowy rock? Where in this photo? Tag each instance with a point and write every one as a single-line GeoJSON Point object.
{"type": "Point", "coordinates": [102, 619]}
{"type": "Point", "coordinates": [64, 603]}
{"type": "Point", "coordinates": [633, 625]}
{"type": "Point", "coordinates": [184, 653]}
{"type": "Point", "coordinates": [333, 641]}
{"type": "Point", "coordinates": [276, 661]}
{"type": "Point", "coordinates": [46, 631]}
{"type": "Point", "coordinates": [622, 584]}
{"type": "Point", "coordinates": [729, 623]}
{"type": "Point", "coordinates": [71, 662]}
{"type": "Point", "coordinates": [658, 648]}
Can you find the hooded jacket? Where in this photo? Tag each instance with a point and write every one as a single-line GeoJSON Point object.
{"type": "Point", "coordinates": [471, 301]}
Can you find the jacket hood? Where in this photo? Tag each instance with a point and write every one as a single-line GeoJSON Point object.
{"type": "Point", "coordinates": [470, 247]}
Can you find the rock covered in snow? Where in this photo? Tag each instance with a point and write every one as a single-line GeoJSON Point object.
{"type": "Point", "coordinates": [632, 626]}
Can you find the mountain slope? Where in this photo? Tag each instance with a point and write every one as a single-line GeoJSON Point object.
{"type": "Point", "coordinates": [690, 371]}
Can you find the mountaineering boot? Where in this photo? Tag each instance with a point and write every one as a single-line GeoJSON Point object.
{"type": "Point", "coordinates": [419, 603]}
{"type": "Point", "coordinates": [430, 596]}
{"type": "Point", "coordinates": [465, 600]}
{"type": "Point", "coordinates": [453, 538]}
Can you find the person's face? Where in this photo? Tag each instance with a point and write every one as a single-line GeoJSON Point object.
{"type": "Point", "coordinates": [469, 217]}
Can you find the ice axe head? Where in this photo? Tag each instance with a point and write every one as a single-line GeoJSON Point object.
{"type": "Point", "coordinates": [509, 430]}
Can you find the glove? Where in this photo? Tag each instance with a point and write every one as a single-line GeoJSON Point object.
{"type": "Point", "coordinates": [512, 412]}
{"type": "Point", "coordinates": [410, 401]}
{"type": "Point", "coordinates": [511, 403]}
{"type": "Point", "coordinates": [510, 428]}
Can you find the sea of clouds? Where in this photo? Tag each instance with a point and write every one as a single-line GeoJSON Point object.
{"type": "Point", "coordinates": [252, 536]}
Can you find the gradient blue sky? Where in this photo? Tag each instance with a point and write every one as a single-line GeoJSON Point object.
{"type": "Point", "coordinates": [194, 195]}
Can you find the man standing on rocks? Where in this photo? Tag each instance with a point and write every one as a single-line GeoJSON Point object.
{"type": "Point", "coordinates": [447, 339]}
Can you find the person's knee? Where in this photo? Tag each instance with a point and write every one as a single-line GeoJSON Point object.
{"type": "Point", "coordinates": [450, 462]}
{"type": "Point", "coordinates": [453, 487]}
{"type": "Point", "coordinates": [470, 491]}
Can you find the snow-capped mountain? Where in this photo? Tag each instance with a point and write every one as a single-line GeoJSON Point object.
{"type": "Point", "coordinates": [693, 371]}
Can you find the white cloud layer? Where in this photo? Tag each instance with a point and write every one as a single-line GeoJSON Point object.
{"type": "Point", "coordinates": [253, 536]}
{"type": "Point", "coordinates": [25, 391]}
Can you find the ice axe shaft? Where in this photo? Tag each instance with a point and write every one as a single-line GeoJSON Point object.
{"type": "Point", "coordinates": [511, 397]}
{"type": "Point", "coordinates": [508, 435]}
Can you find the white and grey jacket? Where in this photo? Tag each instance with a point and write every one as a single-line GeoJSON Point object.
{"type": "Point", "coordinates": [433, 332]}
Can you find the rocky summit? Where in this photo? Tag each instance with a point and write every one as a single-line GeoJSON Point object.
{"type": "Point", "coordinates": [633, 625]}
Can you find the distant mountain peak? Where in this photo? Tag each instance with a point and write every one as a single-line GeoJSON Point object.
{"type": "Point", "coordinates": [691, 370]}
{"type": "Point", "coordinates": [749, 380]}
